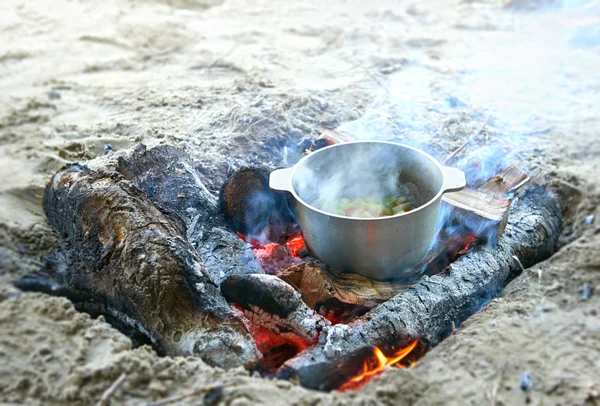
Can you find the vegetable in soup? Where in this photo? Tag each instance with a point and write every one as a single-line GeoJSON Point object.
{"type": "Point", "coordinates": [370, 207]}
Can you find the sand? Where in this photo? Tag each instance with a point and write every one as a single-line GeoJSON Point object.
{"type": "Point", "coordinates": [242, 83]}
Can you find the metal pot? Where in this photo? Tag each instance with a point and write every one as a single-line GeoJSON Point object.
{"type": "Point", "coordinates": [381, 247]}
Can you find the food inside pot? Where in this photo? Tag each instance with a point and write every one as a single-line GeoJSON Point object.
{"type": "Point", "coordinates": [369, 207]}
{"type": "Point", "coordinates": [370, 199]}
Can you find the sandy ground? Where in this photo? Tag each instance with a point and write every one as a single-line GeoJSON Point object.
{"type": "Point", "coordinates": [235, 82]}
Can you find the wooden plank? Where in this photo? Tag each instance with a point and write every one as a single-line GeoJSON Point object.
{"type": "Point", "coordinates": [481, 203]}
{"type": "Point", "coordinates": [506, 181]}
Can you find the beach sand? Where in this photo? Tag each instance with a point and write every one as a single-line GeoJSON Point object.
{"type": "Point", "coordinates": [242, 83]}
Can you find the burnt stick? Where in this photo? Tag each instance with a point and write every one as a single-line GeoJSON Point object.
{"type": "Point", "coordinates": [269, 302]}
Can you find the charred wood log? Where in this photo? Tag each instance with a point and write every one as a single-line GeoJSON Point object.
{"type": "Point", "coordinates": [168, 177]}
{"type": "Point", "coordinates": [124, 254]}
{"type": "Point", "coordinates": [255, 210]}
{"type": "Point", "coordinates": [430, 308]}
{"type": "Point", "coordinates": [269, 302]}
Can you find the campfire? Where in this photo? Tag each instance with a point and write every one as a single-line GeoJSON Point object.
{"type": "Point", "coordinates": [234, 282]}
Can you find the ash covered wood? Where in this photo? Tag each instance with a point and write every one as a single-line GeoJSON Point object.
{"type": "Point", "coordinates": [168, 177]}
{"type": "Point", "coordinates": [270, 302]}
{"type": "Point", "coordinates": [126, 256]}
{"type": "Point", "coordinates": [429, 310]}
{"type": "Point", "coordinates": [255, 210]}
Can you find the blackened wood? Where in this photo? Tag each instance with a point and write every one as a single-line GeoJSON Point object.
{"type": "Point", "coordinates": [168, 177]}
{"type": "Point", "coordinates": [270, 302]}
{"type": "Point", "coordinates": [429, 310]}
{"type": "Point", "coordinates": [120, 250]}
{"type": "Point", "coordinates": [255, 210]}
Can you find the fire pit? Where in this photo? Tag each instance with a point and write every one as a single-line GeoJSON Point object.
{"type": "Point", "coordinates": [230, 281]}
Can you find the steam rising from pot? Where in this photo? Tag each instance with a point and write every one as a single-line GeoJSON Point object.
{"type": "Point", "coordinates": [351, 175]}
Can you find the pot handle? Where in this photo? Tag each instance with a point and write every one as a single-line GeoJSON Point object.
{"type": "Point", "coordinates": [454, 179]}
{"type": "Point", "coordinates": [281, 179]}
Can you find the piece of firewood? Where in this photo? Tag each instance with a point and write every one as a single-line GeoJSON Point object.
{"type": "Point", "coordinates": [506, 181]}
{"type": "Point", "coordinates": [484, 214]}
{"type": "Point", "coordinates": [330, 137]}
{"type": "Point", "coordinates": [269, 302]}
{"type": "Point", "coordinates": [429, 308]}
{"type": "Point", "coordinates": [319, 285]}
{"type": "Point", "coordinates": [483, 204]}
{"type": "Point", "coordinates": [487, 202]}
{"type": "Point", "coordinates": [168, 177]}
{"type": "Point", "coordinates": [132, 263]}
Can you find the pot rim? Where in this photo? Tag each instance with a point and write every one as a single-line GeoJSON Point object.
{"type": "Point", "coordinates": [438, 195]}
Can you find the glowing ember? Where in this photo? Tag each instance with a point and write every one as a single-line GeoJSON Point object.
{"type": "Point", "coordinates": [295, 244]}
{"type": "Point", "coordinates": [381, 363]}
{"type": "Point", "coordinates": [469, 242]}
{"type": "Point", "coordinates": [275, 348]}
{"type": "Point", "coordinates": [255, 244]}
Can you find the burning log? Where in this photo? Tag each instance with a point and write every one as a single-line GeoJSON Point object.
{"type": "Point", "coordinates": [270, 302]}
{"type": "Point", "coordinates": [429, 309]}
{"type": "Point", "coordinates": [255, 210]}
{"type": "Point", "coordinates": [168, 177]}
{"type": "Point", "coordinates": [132, 262]}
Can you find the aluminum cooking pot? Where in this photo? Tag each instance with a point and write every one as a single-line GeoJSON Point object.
{"type": "Point", "coordinates": [381, 247]}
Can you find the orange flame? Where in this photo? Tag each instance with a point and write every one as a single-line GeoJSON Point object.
{"type": "Point", "coordinates": [381, 363]}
